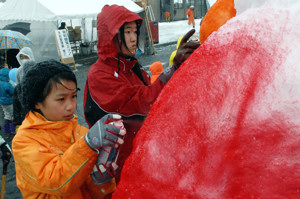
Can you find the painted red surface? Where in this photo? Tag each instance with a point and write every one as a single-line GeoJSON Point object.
{"type": "Point", "coordinates": [227, 125]}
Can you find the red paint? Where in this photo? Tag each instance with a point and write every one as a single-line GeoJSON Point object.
{"type": "Point", "coordinates": [223, 127]}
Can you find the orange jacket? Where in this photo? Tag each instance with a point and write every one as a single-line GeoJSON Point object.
{"type": "Point", "coordinates": [52, 160]}
{"type": "Point", "coordinates": [190, 14]}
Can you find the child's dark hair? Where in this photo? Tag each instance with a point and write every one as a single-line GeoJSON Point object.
{"type": "Point", "coordinates": [40, 79]}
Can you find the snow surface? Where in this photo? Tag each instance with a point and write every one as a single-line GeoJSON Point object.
{"type": "Point", "coordinates": [170, 32]}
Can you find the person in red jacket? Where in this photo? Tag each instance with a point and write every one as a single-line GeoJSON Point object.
{"type": "Point", "coordinates": [117, 83]}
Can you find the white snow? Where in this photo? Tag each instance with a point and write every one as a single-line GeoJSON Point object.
{"type": "Point", "coordinates": [170, 32]}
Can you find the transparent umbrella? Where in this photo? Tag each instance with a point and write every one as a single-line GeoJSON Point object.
{"type": "Point", "coordinates": [13, 40]}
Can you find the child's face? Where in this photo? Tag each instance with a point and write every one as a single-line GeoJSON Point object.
{"type": "Point", "coordinates": [130, 35]}
{"type": "Point", "coordinates": [60, 104]}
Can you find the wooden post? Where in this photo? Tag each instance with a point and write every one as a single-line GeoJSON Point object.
{"type": "Point", "coordinates": [148, 25]}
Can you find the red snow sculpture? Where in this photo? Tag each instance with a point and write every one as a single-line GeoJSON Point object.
{"type": "Point", "coordinates": [227, 125]}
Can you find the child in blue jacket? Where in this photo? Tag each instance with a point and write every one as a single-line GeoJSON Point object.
{"type": "Point", "coordinates": [6, 100]}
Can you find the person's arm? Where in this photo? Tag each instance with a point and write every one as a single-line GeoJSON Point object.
{"type": "Point", "coordinates": [120, 96]}
{"type": "Point", "coordinates": [11, 90]}
{"type": "Point", "coordinates": [58, 173]}
{"type": "Point", "coordinates": [184, 50]}
{"type": "Point", "coordinates": [49, 172]}
{"type": "Point", "coordinates": [114, 94]}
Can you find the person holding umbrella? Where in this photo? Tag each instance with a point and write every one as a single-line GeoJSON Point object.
{"type": "Point", "coordinates": [23, 56]}
{"type": "Point", "coordinates": [12, 40]}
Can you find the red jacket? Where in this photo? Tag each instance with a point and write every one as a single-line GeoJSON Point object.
{"type": "Point", "coordinates": [112, 86]}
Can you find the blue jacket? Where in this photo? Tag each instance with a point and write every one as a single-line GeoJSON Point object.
{"type": "Point", "coordinates": [6, 89]}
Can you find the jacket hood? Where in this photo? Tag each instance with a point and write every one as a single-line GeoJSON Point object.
{"type": "Point", "coordinates": [25, 51]}
{"type": "Point", "coordinates": [23, 70]}
{"type": "Point", "coordinates": [4, 74]}
{"type": "Point", "coordinates": [109, 21]}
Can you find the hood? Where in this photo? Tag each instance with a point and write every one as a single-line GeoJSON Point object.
{"type": "Point", "coordinates": [25, 51]}
{"type": "Point", "coordinates": [156, 68]}
{"type": "Point", "coordinates": [4, 74]}
{"type": "Point", "coordinates": [109, 21]}
{"type": "Point", "coordinates": [23, 70]}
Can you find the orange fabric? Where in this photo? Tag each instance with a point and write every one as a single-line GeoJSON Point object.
{"type": "Point", "coordinates": [52, 160]}
{"type": "Point", "coordinates": [156, 69]}
{"type": "Point", "coordinates": [217, 15]}
{"type": "Point", "coordinates": [191, 16]}
{"type": "Point", "coordinates": [190, 13]}
{"type": "Point", "coordinates": [167, 14]}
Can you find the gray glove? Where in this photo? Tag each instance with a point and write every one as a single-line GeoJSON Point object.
{"type": "Point", "coordinates": [105, 168]}
{"type": "Point", "coordinates": [105, 133]}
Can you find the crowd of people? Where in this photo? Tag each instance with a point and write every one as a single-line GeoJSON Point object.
{"type": "Point", "coordinates": [54, 155]}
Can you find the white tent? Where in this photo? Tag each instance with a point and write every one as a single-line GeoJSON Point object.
{"type": "Point", "coordinates": [74, 9]}
{"type": "Point", "coordinates": [45, 15]}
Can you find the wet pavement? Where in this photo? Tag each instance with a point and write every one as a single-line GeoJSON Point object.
{"type": "Point", "coordinates": [83, 63]}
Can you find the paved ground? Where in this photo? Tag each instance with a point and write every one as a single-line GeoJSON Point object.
{"type": "Point", "coordinates": [162, 54]}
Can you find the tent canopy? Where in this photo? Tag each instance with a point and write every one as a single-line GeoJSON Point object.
{"type": "Point", "coordinates": [44, 17]}
{"type": "Point", "coordinates": [72, 9]}
{"type": "Point", "coordinates": [45, 10]}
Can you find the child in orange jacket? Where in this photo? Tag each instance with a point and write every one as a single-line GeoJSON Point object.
{"type": "Point", "coordinates": [55, 157]}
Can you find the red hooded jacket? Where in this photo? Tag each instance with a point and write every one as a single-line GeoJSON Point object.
{"type": "Point", "coordinates": [112, 86]}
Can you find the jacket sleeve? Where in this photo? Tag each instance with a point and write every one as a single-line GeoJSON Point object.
{"type": "Point", "coordinates": [119, 95]}
{"type": "Point", "coordinates": [51, 173]}
{"type": "Point", "coordinates": [188, 12]}
{"type": "Point", "coordinates": [17, 107]}
{"type": "Point", "coordinates": [11, 90]}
